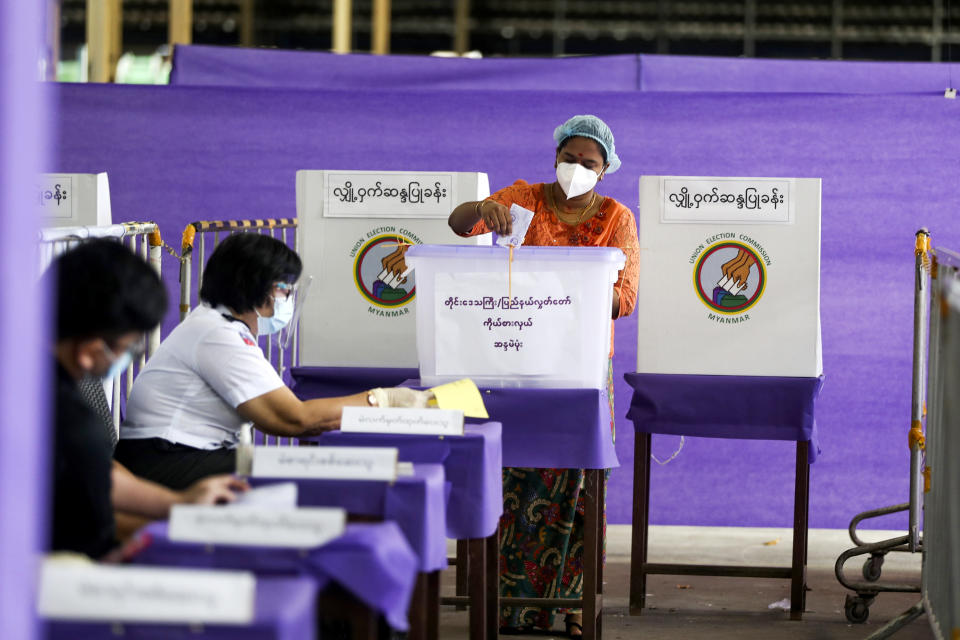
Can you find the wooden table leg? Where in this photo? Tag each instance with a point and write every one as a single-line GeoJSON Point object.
{"type": "Point", "coordinates": [433, 605]}
{"type": "Point", "coordinates": [418, 609]}
{"type": "Point", "coordinates": [493, 584]}
{"type": "Point", "coordinates": [801, 511]}
{"type": "Point", "coordinates": [462, 570]}
{"type": "Point", "coordinates": [641, 520]}
{"type": "Point", "coordinates": [591, 560]}
{"type": "Point", "coordinates": [478, 589]}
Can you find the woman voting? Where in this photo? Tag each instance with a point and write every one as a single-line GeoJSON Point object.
{"type": "Point", "coordinates": [542, 524]}
{"type": "Point", "coordinates": [209, 379]}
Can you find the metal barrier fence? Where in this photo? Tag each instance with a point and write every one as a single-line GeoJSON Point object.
{"type": "Point", "coordinates": [196, 237]}
{"type": "Point", "coordinates": [941, 562]}
{"type": "Point", "coordinates": [143, 238]}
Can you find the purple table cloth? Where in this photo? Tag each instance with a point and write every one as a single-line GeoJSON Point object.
{"type": "Point", "coordinates": [471, 464]}
{"type": "Point", "coordinates": [770, 408]}
{"type": "Point", "coordinates": [328, 382]}
{"type": "Point", "coordinates": [416, 503]}
{"type": "Point", "coordinates": [373, 562]}
{"type": "Point", "coordinates": [284, 609]}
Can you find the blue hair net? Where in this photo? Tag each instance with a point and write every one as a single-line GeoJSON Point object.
{"type": "Point", "coordinates": [590, 127]}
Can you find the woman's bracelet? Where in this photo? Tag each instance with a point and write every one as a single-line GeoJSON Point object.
{"type": "Point", "coordinates": [479, 207]}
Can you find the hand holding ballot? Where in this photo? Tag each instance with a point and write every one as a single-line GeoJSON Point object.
{"type": "Point", "coordinates": [399, 397]}
{"type": "Point", "coordinates": [496, 216]}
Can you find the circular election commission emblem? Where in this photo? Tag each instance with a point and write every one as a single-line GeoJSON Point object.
{"type": "Point", "coordinates": [729, 277]}
{"type": "Point", "coordinates": [380, 271]}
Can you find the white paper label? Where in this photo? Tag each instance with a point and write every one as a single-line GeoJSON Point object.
{"type": "Point", "coordinates": [392, 195]}
{"type": "Point", "coordinates": [490, 332]}
{"type": "Point", "coordinates": [332, 463]}
{"type": "Point", "coordinates": [282, 495]}
{"type": "Point", "coordinates": [727, 200]}
{"type": "Point", "coordinates": [75, 591]}
{"type": "Point", "coordinates": [302, 528]}
{"type": "Point", "coordinates": [56, 195]}
{"type": "Point", "coordinates": [520, 219]}
{"type": "Point", "coordinates": [439, 422]}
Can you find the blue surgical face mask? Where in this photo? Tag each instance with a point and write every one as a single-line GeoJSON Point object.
{"type": "Point", "coordinates": [119, 364]}
{"type": "Point", "coordinates": [282, 314]}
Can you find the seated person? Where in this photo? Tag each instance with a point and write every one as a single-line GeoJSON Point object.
{"type": "Point", "coordinates": [106, 298]}
{"type": "Point", "coordinates": [209, 379]}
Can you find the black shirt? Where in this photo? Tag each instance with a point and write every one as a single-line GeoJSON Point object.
{"type": "Point", "coordinates": [82, 461]}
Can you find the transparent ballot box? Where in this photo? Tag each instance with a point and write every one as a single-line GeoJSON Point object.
{"type": "Point", "coordinates": [542, 319]}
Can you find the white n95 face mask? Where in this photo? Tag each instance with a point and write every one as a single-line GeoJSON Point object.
{"type": "Point", "coordinates": [282, 313]}
{"type": "Point", "coordinates": [575, 179]}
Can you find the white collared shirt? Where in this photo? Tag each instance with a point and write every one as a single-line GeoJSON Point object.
{"type": "Point", "coordinates": [191, 387]}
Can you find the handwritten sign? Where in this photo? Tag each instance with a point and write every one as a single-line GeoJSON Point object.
{"type": "Point", "coordinates": [480, 328]}
{"type": "Point", "coordinates": [334, 463]}
{"type": "Point", "coordinates": [80, 591]}
{"type": "Point", "coordinates": [432, 422]}
{"type": "Point", "coordinates": [727, 200]}
{"type": "Point", "coordinates": [302, 528]}
{"type": "Point", "coordinates": [388, 194]}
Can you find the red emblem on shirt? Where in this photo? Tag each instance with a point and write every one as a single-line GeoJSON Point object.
{"type": "Point", "coordinates": [247, 341]}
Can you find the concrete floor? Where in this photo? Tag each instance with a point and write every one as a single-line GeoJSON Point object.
{"type": "Point", "coordinates": [736, 608]}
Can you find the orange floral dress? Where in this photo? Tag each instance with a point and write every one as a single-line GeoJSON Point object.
{"type": "Point", "coordinates": [542, 527]}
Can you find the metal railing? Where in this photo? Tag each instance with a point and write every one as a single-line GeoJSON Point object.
{"type": "Point", "coordinates": [196, 237]}
{"type": "Point", "coordinates": [143, 238]}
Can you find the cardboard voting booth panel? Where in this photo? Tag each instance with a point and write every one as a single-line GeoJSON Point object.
{"type": "Point", "coordinates": [74, 199]}
{"type": "Point", "coordinates": [355, 230]}
{"type": "Point", "coordinates": [730, 276]}
{"type": "Point", "coordinates": [542, 320]}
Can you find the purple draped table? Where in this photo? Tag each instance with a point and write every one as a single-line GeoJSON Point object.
{"type": "Point", "coordinates": [416, 503]}
{"type": "Point", "coordinates": [284, 609]}
{"type": "Point", "coordinates": [780, 409]}
{"type": "Point", "coordinates": [372, 562]}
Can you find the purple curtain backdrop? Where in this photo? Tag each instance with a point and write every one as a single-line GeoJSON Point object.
{"type": "Point", "coordinates": [230, 66]}
{"type": "Point", "coordinates": [177, 154]}
{"type": "Point", "coordinates": [23, 373]}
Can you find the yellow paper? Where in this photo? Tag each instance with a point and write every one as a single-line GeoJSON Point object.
{"type": "Point", "coordinates": [462, 395]}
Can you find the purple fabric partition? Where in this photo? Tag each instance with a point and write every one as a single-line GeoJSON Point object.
{"type": "Point", "coordinates": [756, 75]}
{"type": "Point", "coordinates": [177, 154]}
{"type": "Point", "coordinates": [231, 66]}
{"type": "Point", "coordinates": [24, 432]}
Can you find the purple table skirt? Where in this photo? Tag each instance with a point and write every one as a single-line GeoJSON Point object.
{"type": "Point", "coordinates": [284, 610]}
{"type": "Point", "coordinates": [471, 464]}
{"type": "Point", "coordinates": [373, 562]}
{"type": "Point", "coordinates": [329, 382]}
{"type": "Point", "coordinates": [767, 408]}
{"type": "Point", "coordinates": [416, 503]}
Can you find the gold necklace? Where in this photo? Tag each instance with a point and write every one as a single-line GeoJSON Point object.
{"type": "Point", "coordinates": [579, 215]}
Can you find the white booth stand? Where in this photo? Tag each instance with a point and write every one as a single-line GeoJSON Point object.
{"type": "Point", "coordinates": [74, 200]}
{"type": "Point", "coordinates": [729, 308]}
{"type": "Point", "coordinates": [355, 229]}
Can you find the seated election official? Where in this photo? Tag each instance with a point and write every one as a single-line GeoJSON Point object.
{"type": "Point", "coordinates": [542, 557]}
{"type": "Point", "coordinates": [106, 298]}
{"type": "Point", "coordinates": [209, 379]}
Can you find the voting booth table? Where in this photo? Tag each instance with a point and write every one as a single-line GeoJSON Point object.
{"type": "Point", "coordinates": [732, 348]}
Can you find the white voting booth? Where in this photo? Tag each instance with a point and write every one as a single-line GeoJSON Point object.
{"type": "Point", "coordinates": [730, 276]}
{"type": "Point", "coordinates": [355, 228]}
{"type": "Point", "coordinates": [74, 200]}
{"type": "Point", "coordinates": [542, 320]}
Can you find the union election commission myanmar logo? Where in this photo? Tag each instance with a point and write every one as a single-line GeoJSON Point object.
{"type": "Point", "coordinates": [729, 277]}
{"type": "Point", "coordinates": [380, 271]}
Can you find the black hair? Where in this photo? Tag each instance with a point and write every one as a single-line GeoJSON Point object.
{"type": "Point", "coordinates": [103, 290]}
{"type": "Point", "coordinates": [243, 269]}
{"type": "Point", "coordinates": [563, 143]}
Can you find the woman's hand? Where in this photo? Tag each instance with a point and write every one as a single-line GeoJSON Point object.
{"type": "Point", "coordinates": [496, 217]}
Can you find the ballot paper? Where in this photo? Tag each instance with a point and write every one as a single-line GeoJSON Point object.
{"type": "Point", "coordinates": [463, 395]}
{"type": "Point", "coordinates": [282, 495]}
{"type": "Point", "coordinates": [520, 219]}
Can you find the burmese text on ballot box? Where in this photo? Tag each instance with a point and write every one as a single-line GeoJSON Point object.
{"type": "Point", "coordinates": [730, 276]}
{"type": "Point", "coordinates": [355, 229]}
{"type": "Point", "coordinates": [540, 319]}
{"type": "Point", "coordinates": [74, 199]}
